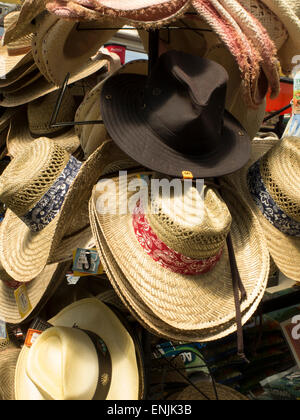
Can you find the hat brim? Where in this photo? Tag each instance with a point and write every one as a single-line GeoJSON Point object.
{"type": "Point", "coordinates": [101, 320]}
{"type": "Point", "coordinates": [122, 115]}
{"type": "Point", "coordinates": [202, 304]}
{"type": "Point", "coordinates": [24, 253]}
{"type": "Point", "coordinates": [9, 63]}
{"type": "Point", "coordinates": [39, 291]}
{"type": "Point", "coordinates": [284, 249]}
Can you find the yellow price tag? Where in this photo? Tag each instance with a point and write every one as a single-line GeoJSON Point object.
{"type": "Point", "coordinates": [22, 300]}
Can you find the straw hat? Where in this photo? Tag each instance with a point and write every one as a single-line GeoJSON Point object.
{"type": "Point", "coordinates": [289, 14]}
{"type": "Point", "coordinates": [8, 359]}
{"type": "Point", "coordinates": [192, 302]}
{"type": "Point", "coordinates": [22, 45]}
{"type": "Point", "coordinates": [92, 136]}
{"type": "Point", "coordinates": [5, 119]}
{"type": "Point", "coordinates": [205, 391]}
{"type": "Point", "coordinates": [39, 291]}
{"type": "Point", "coordinates": [42, 87]}
{"type": "Point", "coordinates": [28, 126]}
{"type": "Point", "coordinates": [142, 13]}
{"type": "Point", "coordinates": [42, 188]}
{"type": "Point", "coordinates": [271, 186]}
{"type": "Point", "coordinates": [60, 48]}
{"type": "Point", "coordinates": [88, 336]}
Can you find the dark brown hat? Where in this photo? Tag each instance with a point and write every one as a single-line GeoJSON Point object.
{"type": "Point", "coordinates": [175, 120]}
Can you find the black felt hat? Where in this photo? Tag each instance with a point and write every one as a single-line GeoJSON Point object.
{"type": "Point", "coordinates": [175, 120]}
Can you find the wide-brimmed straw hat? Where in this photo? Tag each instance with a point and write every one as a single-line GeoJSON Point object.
{"type": "Point", "coordinates": [89, 337]}
{"type": "Point", "coordinates": [22, 45]}
{"type": "Point", "coordinates": [174, 120]}
{"type": "Point", "coordinates": [174, 273]}
{"type": "Point", "coordinates": [207, 391]}
{"type": "Point", "coordinates": [60, 48]}
{"type": "Point", "coordinates": [8, 359]}
{"type": "Point", "coordinates": [142, 13]}
{"type": "Point", "coordinates": [34, 122]}
{"type": "Point", "coordinates": [39, 290]}
{"type": "Point", "coordinates": [92, 136]}
{"type": "Point", "coordinates": [271, 186]}
{"type": "Point", "coordinates": [43, 188]}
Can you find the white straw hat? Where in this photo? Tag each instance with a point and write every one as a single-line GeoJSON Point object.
{"type": "Point", "coordinates": [90, 338]}
{"type": "Point", "coordinates": [180, 285]}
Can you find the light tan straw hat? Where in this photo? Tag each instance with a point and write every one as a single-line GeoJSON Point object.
{"type": "Point", "coordinates": [271, 186]}
{"type": "Point", "coordinates": [22, 45]}
{"type": "Point", "coordinates": [174, 272]}
{"type": "Point", "coordinates": [43, 187]}
{"type": "Point", "coordinates": [34, 122]}
{"type": "Point", "coordinates": [92, 136]}
{"type": "Point", "coordinates": [8, 360]}
{"type": "Point", "coordinates": [39, 290]}
{"type": "Point", "coordinates": [59, 47]}
{"type": "Point", "coordinates": [90, 338]}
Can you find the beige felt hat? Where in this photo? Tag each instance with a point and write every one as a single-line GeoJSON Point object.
{"type": "Point", "coordinates": [43, 188]}
{"type": "Point", "coordinates": [8, 359]}
{"type": "Point", "coordinates": [90, 338]}
{"type": "Point", "coordinates": [174, 272]}
{"type": "Point", "coordinates": [60, 48]}
{"type": "Point", "coordinates": [39, 291]}
{"type": "Point", "coordinates": [92, 136]}
{"type": "Point", "coordinates": [271, 186]}
{"type": "Point", "coordinates": [26, 127]}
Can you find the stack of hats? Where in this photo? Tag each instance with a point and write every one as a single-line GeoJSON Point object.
{"type": "Point", "coordinates": [161, 175]}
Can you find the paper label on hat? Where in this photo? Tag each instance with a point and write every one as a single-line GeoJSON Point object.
{"type": "Point", "coordinates": [86, 262]}
{"type": "Point", "coordinates": [3, 330]}
{"type": "Point", "coordinates": [22, 300]}
{"type": "Point", "coordinates": [296, 98]}
{"type": "Point", "coordinates": [31, 337]}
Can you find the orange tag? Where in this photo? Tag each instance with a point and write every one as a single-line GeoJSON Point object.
{"type": "Point", "coordinates": [31, 336]}
{"type": "Point", "coordinates": [187, 175]}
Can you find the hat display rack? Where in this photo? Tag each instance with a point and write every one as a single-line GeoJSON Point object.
{"type": "Point", "coordinates": [165, 377]}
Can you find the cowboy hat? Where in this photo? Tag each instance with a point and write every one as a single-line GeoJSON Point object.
{"type": "Point", "coordinates": [289, 14]}
{"type": "Point", "coordinates": [89, 336]}
{"type": "Point", "coordinates": [174, 287]}
{"type": "Point", "coordinates": [41, 188]}
{"type": "Point", "coordinates": [60, 48]}
{"type": "Point", "coordinates": [92, 136]}
{"type": "Point", "coordinates": [39, 290]}
{"type": "Point", "coordinates": [174, 120]}
{"type": "Point", "coordinates": [22, 45]}
{"type": "Point", "coordinates": [6, 115]}
{"type": "Point", "coordinates": [33, 123]}
{"type": "Point", "coordinates": [142, 13]}
{"type": "Point", "coordinates": [42, 87]}
{"type": "Point", "coordinates": [8, 359]}
{"type": "Point", "coordinates": [271, 186]}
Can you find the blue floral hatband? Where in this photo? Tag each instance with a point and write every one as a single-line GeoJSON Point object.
{"type": "Point", "coordinates": [50, 204]}
{"type": "Point", "coordinates": [267, 205]}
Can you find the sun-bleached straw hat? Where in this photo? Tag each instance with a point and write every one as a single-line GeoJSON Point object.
{"type": "Point", "coordinates": [34, 122]}
{"type": "Point", "coordinates": [8, 360]}
{"type": "Point", "coordinates": [39, 291]}
{"type": "Point", "coordinates": [143, 13]}
{"type": "Point", "coordinates": [174, 272]}
{"type": "Point", "coordinates": [89, 337]}
{"type": "Point", "coordinates": [92, 136]}
{"type": "Point", "coordinates": [271, 186]}
{"type": "Point", "coordinates": [42, 189]}
{"type": "Point", "coordinates": [60, 48]}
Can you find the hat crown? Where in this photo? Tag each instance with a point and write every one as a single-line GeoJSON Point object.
{"type": "Point", "coordinates": [185, 95]}
{"type": "Point", "coordinates": [30, 175]}
{"type": "Point", "coordinates": [280, 172]}
{"type": "Point", "coordinates": [63, 364]}
{"type": "Point", "coordinates": [194, 224]}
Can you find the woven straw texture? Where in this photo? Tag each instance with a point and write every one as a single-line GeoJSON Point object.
{"type": "Point", "coordinates": [9, 64]}
{"type": "Point", "coordinates": [201, 305]}
{"type": "Point", "coordinates": [283, 185]}
{"type": "Point", "coordinates": [8, 361]}
{"type": "Point", "coordinates": [23, 44]}
{"type": "Point", "coordinates": [207, 392]}
{"type": "Point", "coordinates": [18, 74]}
